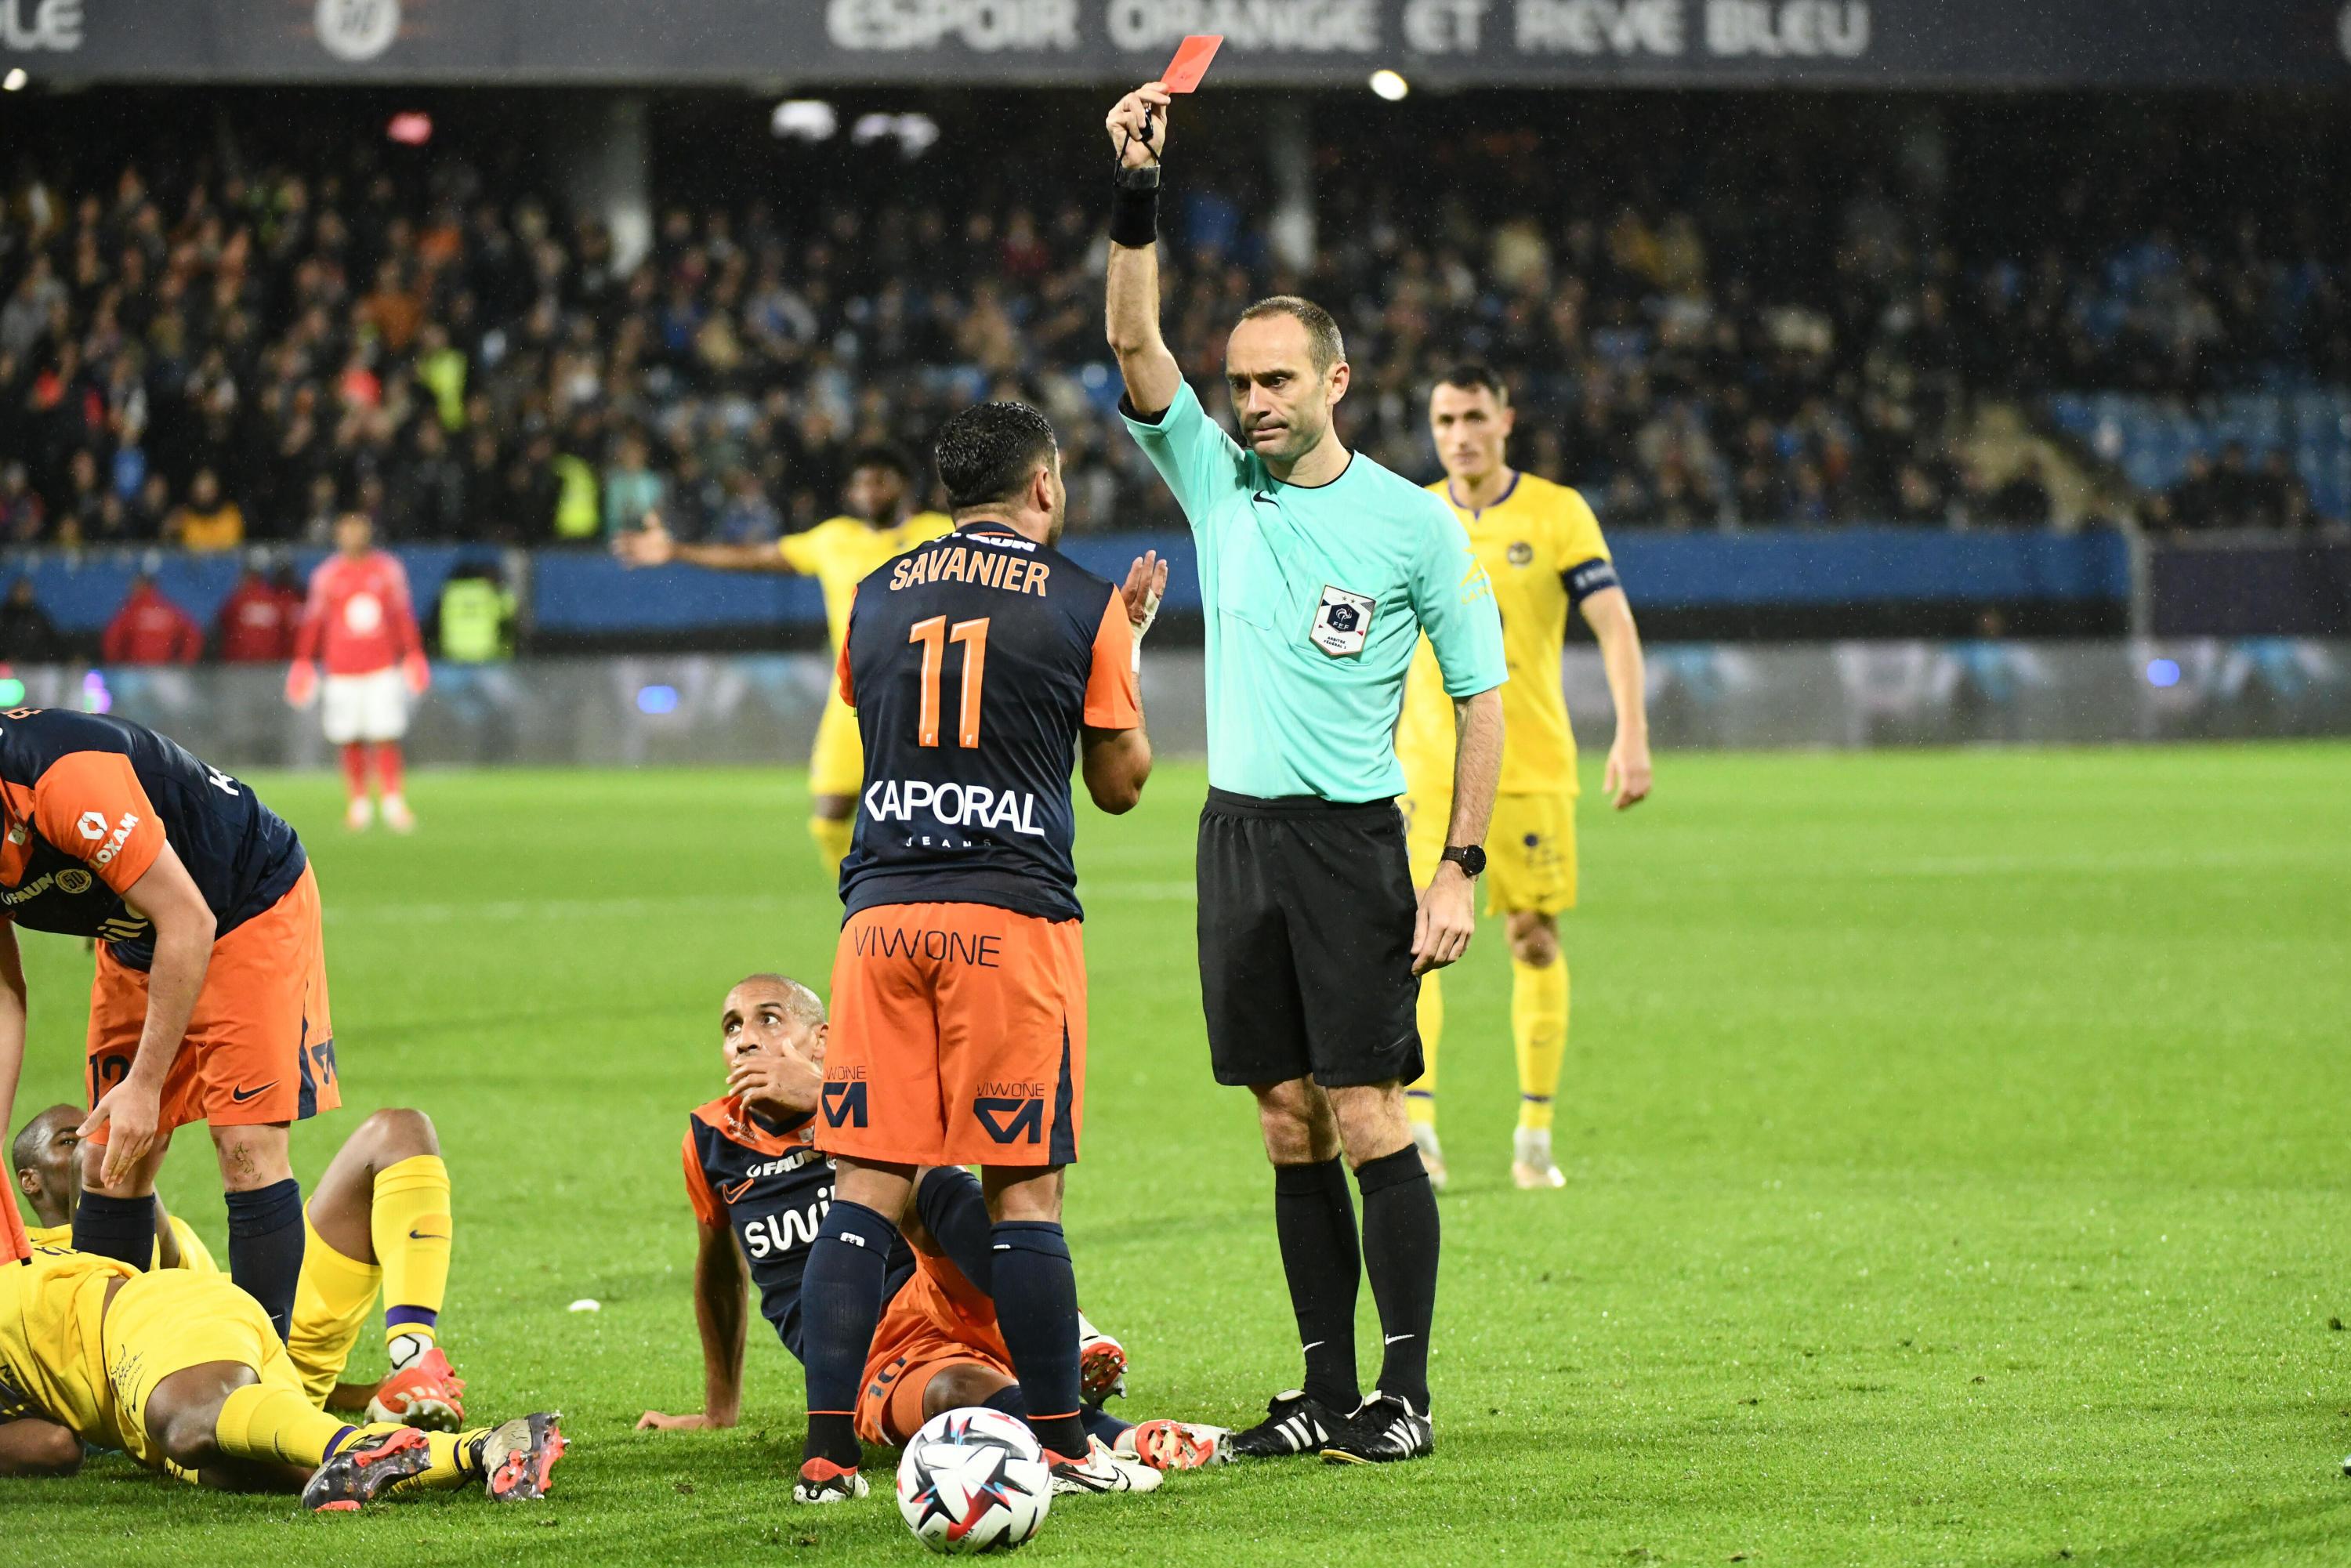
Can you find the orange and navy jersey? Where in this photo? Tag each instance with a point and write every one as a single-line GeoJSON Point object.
{"type": "Point", "coordinates": [765, 1182]}
{"type": "Point", "coordinates": [89, 801]}
{"type": "Point", "coordinates": [975, 662]}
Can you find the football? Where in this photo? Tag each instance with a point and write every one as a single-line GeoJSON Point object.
{"type": "Point", "coordinates": [974, 1480]}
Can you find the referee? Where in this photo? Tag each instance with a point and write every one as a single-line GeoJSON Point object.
{"type": "Point", "coordinates": [1320, 571]}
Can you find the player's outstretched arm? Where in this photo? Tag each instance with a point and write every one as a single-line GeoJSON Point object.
{"type": "Point", "coordinates": [1138, 133]}
{"type": "Point", "coordinates": [653, 545]}
{"type": "Point", "coordinates": [722, 1312]}
{"type": "Point", "coordinates": [1610, 615]}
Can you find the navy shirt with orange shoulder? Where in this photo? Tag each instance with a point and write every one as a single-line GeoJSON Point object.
{"type": "Point", "coordinates": [763, 1180]}
{"type": "Point", "coordinates": [975, 663]}
{"type": "Point", "coordinates": [89, 801]}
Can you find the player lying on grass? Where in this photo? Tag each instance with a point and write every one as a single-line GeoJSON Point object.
{"type": "Point", "coordinates": [182, 1370]}
{"type": "Point", "coordinates": [380, 1219]}
{"type": "Point", "coordinates": [759, 1190]}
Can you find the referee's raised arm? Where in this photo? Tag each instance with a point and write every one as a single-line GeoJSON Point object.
{"type": "Point", "coordinates": [1138, 130]}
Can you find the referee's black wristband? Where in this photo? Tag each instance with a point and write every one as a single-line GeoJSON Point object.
{"type": "Point", "coordinates": [1134, 207]}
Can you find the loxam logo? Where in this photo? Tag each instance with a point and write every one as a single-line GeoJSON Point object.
{"type": "Point", "coordinates": [92, 824]}
{"type": "Point", "coordinates": [114, 842]}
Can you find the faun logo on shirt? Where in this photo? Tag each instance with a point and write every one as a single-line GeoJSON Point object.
{"type": "Point", "coordinates": [1343, 622]}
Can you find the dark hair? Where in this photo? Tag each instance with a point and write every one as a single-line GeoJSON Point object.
{"type": "Point", "coordinates": [1471, 376]}
{"type": "Point", "coordinates": [987, 453]}
{"type": "Point", "coordinates": [883, 456]}
{"type": "Point", "coordinates": [1323, 339]}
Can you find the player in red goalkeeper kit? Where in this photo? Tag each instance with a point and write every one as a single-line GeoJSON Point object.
{"type": "Point", "coordinates": [360, 617]}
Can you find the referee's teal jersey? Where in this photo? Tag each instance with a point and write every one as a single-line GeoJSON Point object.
{"type": "Point", "coordinates": [1315, 597]}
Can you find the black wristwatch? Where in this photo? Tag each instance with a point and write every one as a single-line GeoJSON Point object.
{"type": "Point", "coordinates": [1470, 858]}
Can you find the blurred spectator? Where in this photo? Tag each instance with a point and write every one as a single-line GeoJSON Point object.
{"type": "Point", "coordinates": [27, 635]}
{"type": "Point", "coordinates": [747, 516]}
{"type": "Point", "coordinates": [22, 514]}
{"type": "Point", "coordinates": [2024, 501]}
{"type": "Point", "coordinates": [259, 618]}
{"type": "Point", "coordinates": [2281, 498]}
{"type": "Point", "coordinates": [474, 620]}
{"type": "Point", "coordinates": [151, 630]}
{"type": "Point", "coordinates": [631, 488]}
{"type": "Point", "coordinates": [206, 522]}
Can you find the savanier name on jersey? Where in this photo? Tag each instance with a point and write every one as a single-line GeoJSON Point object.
{"type": "Point", "coordinates": [975, 558]}
{"type": "Point", "coordinates": [953, 805]}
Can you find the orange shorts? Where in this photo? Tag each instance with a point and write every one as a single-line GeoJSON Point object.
{"type": "Point", "coordinates": [260, 1046]}
{"type": "Point", "coordinates": [922, 1332]}
{"type": "Point", "coordinates": [958, 1038]}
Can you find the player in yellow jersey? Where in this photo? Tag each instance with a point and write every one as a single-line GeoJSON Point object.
{"type": "Point", "coordinates": [838, 552]}
{"type": "Point", "coordinates": [184, 1373]}
{"type": "Point", "coordinates": [378, 1221]}
{"type": "Point", "coordinates": [1541, 546]}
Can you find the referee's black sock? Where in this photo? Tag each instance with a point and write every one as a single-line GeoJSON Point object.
{"type": "Point", "coordinates": [265, 1246]}
{"type": "Point", "coordinates": [841, 1306]}
{"type": "Point", "coordinates": [955, 1213]}
{"type": "Point", "coordinates": [1037, 1312]}
{"type": "Point", "coordinates": [1400, 1248]}
{"type": "Point", "coordinates": [1314, 1219]}
{"type": "Point", "coordinates": [122, 1228]}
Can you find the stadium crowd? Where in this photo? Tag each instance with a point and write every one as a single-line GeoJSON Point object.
{"type": "Point", "coordinates": [225, 347]}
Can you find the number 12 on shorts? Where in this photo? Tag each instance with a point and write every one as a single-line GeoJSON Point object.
{"type": "Point", "coordinates": [935, 634]}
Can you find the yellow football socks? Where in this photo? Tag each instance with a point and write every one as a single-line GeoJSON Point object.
{"type": "Point", "coordinates": [1539, 1028]}
{"type": "Point", "coordinates": [411, 1226]}
{"type": "Point", "coordinates": [271, 1423]}
{"type": "Point", "coordinates": [333, 1298]}
{"type": "Point", "coordinates": [832, 838]}
{"type": "Point", "coordinates": [1420, 1094]}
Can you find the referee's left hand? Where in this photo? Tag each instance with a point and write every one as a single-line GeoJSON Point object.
{"type": "Point", "coordinates": [1447, 920]}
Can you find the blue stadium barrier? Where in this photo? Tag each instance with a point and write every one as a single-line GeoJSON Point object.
{"type": "Point", "coordinates": [588, 593]}
{"type": "Point", "coordinates": [81, 593]}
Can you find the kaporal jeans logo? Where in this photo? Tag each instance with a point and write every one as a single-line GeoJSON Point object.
{"type": "Point", "coordinates": [953, 805]}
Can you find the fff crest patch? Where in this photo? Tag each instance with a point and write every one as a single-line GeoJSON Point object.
{"type": "Point", "coordinates": [1343, 622]}
{"type": "Point", "coordinates": [1521, 553]}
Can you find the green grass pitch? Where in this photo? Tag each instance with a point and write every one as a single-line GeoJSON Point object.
{"type": "Point", "coordinates": [1956, 1145]}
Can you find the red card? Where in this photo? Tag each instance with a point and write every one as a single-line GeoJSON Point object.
{"type": "Point", "coordinates": [1191, 62]}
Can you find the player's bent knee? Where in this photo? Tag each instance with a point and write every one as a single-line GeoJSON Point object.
{"type": "Point", "coordinates": [1534, 940]}
{"type": "Point", "coordinates": [396, 1133]}
{"type": "Point", "coordinates": [959, 1388]}
{"type": "Point", "coordinates": [1372, 1120]}
{"type": "Point", "coordinates": [252, 1157]}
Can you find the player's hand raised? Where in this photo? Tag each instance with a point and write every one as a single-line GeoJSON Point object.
{"type": "Point", "coordinates": [1145, 586]}
{"type": "Point", "coordinates": [647, 545]}
{"type": "Point", "coordinates": [1138, 125]}
{"type": "Point", "coordinates": [780, 1082]}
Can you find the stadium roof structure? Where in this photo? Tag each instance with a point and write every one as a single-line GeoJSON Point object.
{"type": "Point", "coordinates": [1879, 43]}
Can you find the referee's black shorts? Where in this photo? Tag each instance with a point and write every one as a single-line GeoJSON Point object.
{"type": "Point", "coordinates": [1306, 916]}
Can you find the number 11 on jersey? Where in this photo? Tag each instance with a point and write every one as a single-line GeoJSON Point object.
{"type": "Point", "coordinates": [935, 636]}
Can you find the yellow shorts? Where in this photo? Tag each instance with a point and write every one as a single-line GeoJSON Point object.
{"type": "Point", "coordinates": [169, 1320]}
{"type": "Point", "coordinates": [837, 765]}
{"type": "Point", "coordinates": [1530, 849]}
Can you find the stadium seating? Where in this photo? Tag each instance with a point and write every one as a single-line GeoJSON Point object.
{"type": "Point", "coordinates": [2152, 440]}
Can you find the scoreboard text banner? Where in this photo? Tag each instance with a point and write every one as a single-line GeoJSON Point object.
{"type": "Point", "coordinates": [1731, 43]}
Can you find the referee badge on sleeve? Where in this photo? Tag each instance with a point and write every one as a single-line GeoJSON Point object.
{"type": "Point", "coordinates": [1343, 622]}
